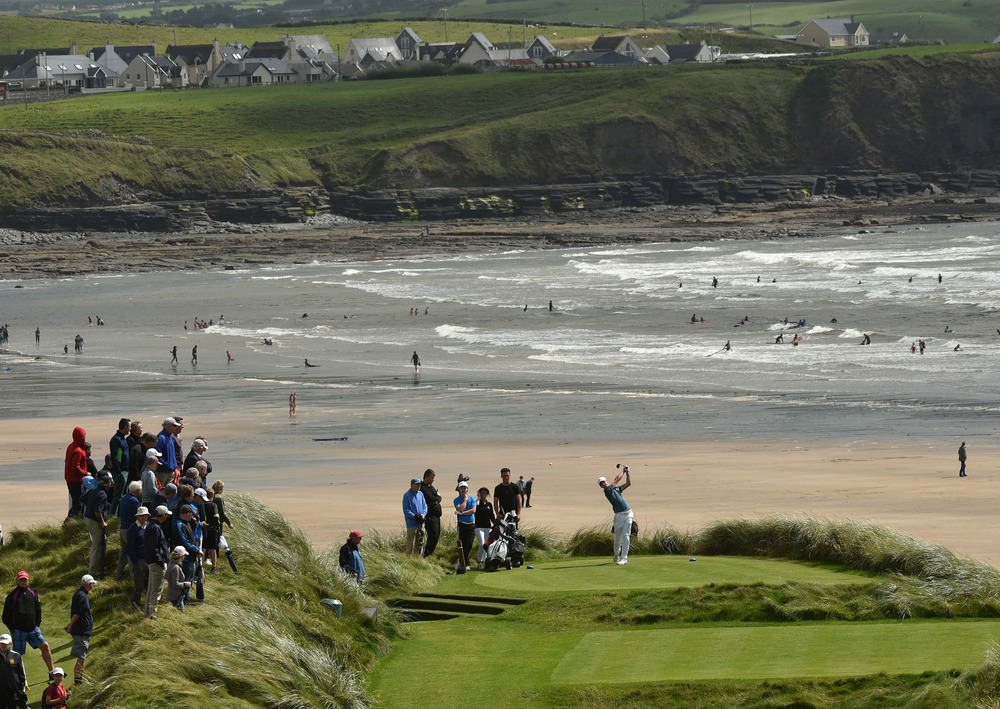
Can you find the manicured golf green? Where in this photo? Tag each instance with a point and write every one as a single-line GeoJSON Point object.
{"type": "Point", "coordinates": [773, 652]}
{"type": "Point", "coordinates": [658, 572]}
{"type": "Point", "coordinates": [648, 655]}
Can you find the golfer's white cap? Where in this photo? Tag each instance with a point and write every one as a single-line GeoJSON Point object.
{"type": "Point", "coordinates": [601, 480]}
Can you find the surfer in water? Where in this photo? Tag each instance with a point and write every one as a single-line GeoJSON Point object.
{"type": "Point", "coordinates": [311, 365]}
{"type": "Point", "coordinates": [780, 338]}
{"type": "Point", "coordinates": [415, 361]}
{"type": "Point", "coordinates": [715, 282]}
{"type": "Point", "coordinates": [173, 355]}
{"type": "Point", "coordinates": [694, 318]}
{"type": "Point", "coordinates": [727, 347]}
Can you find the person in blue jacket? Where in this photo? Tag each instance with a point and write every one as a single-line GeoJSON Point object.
{"type": "Point", "coordinates": [414, 512]}
{"type": "Point", "coordinates": [350, 556]}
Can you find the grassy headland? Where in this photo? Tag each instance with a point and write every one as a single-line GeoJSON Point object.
{"type": "Point", "coordinates": [896, 113]}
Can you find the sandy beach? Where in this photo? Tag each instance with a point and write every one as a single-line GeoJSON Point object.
{"type": "Point", "coordinates": [912, 488]}
{"type": "Point", "coordinates": [733, 438]}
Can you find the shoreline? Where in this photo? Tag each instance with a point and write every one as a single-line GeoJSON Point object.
{"type": "Point", "coordinates": [25, 255]}
{"type": "Point", "coordinates": [894, 482]}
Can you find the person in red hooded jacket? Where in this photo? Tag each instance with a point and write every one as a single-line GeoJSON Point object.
{"type": "Point", "coordinates": [76, 470]}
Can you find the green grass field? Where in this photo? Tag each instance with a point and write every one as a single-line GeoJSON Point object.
{"type": "Point", "coordinates": [32, 32]}
{"type": "Point", "coordinates": [587, 632]}
{"type": "Point", "coordinates": [660, 572]}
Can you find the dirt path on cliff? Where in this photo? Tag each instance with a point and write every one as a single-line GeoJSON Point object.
{"type": "Point", "coordinates": [39, 255]}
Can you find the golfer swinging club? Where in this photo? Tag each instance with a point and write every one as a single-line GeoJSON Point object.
{"type": "Point", "coordinates": [623, 513]}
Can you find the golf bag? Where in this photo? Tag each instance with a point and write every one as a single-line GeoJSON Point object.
{"type": "Point", "coordinates": [504, 546]}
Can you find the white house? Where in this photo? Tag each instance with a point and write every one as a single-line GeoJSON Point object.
{"type": "Point", "coordinates": [146, 72]}
{"type": "Point", "coordinates": [829, 32]}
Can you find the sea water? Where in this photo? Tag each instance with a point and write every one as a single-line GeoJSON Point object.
{"type": "Point", "coordinates": [616, 356]}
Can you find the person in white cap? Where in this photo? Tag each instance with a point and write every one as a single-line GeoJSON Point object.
{"type": "Point", "coordinates": [196, 453]}
{"type": "Point", "coordinates": [81, 625]}
{"type": "Point", "coordinates": [177, 587]}
{"type": "Point", "coordinates": [13, 681]}
{"type": "Point", "coordinates": [623, 513]}
{"type": "Point", "coordinates": [55, 695]}
{"type": "Point", "coordinates": [135, 549]}
{"type": "Point", "coordinates": [148, 475]}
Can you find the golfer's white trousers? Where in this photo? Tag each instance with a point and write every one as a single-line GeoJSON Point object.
{"type": "Point", "coordinates": [623, 529]}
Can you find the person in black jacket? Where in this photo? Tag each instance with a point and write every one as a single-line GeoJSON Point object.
{"type": "Point", "coordinates": [156, 552]}
{"type": "Point", "coordinates": [432, 523]}
{"type": "Point", "coordinates": [485, 519]}
{"type": "Point", "coordinates": [22, 614]}
{"type": "Point", "coordinates": [13, 681]}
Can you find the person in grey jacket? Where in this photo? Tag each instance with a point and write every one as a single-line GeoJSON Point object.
{"type": "Point", "coordinates": [176, 585]}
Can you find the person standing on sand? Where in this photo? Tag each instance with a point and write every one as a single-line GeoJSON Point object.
{"type": "Point", "coordinates": [415, 360]}
{"type": "Point", "coordinates": [623, 513]}
{"type": "Point", "coordinates": [527, 492]}
{"type": "Point", "coordinates": [961, 459]}
{"type": "Point", "coordinates": [291, 404]}
{"type": "Point", "coordinates": [38, 337]}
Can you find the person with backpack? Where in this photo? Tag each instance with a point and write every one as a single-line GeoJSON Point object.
{"type": "Point", "coordinates": [56, 694]}
{"type": "Point", "coordinates": [22, 614]}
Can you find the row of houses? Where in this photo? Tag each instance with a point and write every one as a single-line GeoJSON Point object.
{"type": "Point", "coordinates": [309, 59]}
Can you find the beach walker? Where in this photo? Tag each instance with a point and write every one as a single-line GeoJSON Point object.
{"type": "Point", "coordinates": [505, 546]}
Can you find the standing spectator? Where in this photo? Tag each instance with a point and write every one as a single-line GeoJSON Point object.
{"type": "Point", "coordinates": [119, 462]}
{"type": "Point", "coordinates": [485, 519]}
{"type": "Point", "coordinates": [126, 516]}
{"type": "Point", "coordinates": [465, 508]}
{"type": "Point", "coordinates": [187, 533]}
{"type": "Point", "coordinates": [197, 453]}
{"type": "Point", "coordinates": [623, 513]}
{"type": "Point", "coordinates": [13, 681]}
{"type": "Point", "coordinates": [414, 513]}
{"type": "Point", "coordinates": [432, 524]}
{"type": "Point", "coordinates": [136, 451]}
{"type": "Point", "coordinates": [961, 459]}
{"type": "Point", "coordinates": [505, 497]}
{"type": "Point", "coordinates": [176, 436]}
{"type": "Point", "coordinates": [95, 517]}
{"type": "Point", "coordinates": [218, 486]}
{"type": "Point", "coordinates": [76, 470]}
{"type": "Point", "coordinates": [520, 490]}
{"type": "Point", "coordinates": [350, 556]}
{"type": "Point", "coordinates": [136, 550]}
{"type": "Point", "coordinates": [212, 529]}
{"type": "Point", "coordinates": [81, 625]}
{"type": "Point", "coordinates": [177, 586]}
{"type": "Point", "coordinates": [156, 552]}
{"type": "Point", "coordinates": [22, 614]}
{"type": "Point", "coordinates": [147, 477]}
{"type": "Point", "coordinates": [527, 491]}
{"type": "Point", "coordinates": [168, 451]}
{"type": "Point", "coordinates": [167, 496]}
{"type": "Point", "coordinates": [55, 695]}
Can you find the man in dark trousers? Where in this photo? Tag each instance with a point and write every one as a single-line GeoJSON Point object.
{"type": "Point", "coordinates": [156, 553]}
{"type": "Point", "coordinates": [119, 462]}
{"type": "Point", "coordinates": [13, 681]}
{"type": "Point", "coordinates": [22, 614]}
{"type": "Point", "coordinates": [961, 459]}
{"type": "Point", "coordinates": [432, 524]}
{"type": "Point", "coordinates": [505, 496]}
{"type": "Point", "coordinates": [527, 492]}
{"type": "Point", "coordinates": [81, 625]}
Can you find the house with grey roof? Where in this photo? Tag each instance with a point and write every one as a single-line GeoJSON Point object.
{"type": "Point", "coordinates": [254, 72]}
{"type": "Point", "coordinates": [310, 56]}
{"type": "Point", "coordinates": [623, 44]}
{"type": "Point", "coordinates": [116, 59]}
{"type": "Point", "coordinates": [587, 57]}
{"type": "Point", "coordinates": [480, 52]}
{"type": "Point", "coordinates": [409, 43]}
{"type": "Point", "coordinates": [198, 60]}
{"type": "Point", "coordinates": [541, 48]}
{"type": "Point", "coordinates": [683, 53]}
{"type": "Point", "coordinates": [154, 72]}
{"type": "Point", "coordinates": [834, 32]}
{"type": "Point", "coordinates": [379, 49]}
{"type": "Point", "coordinates": [477, 49]}
{"type": "Point", "coordinates": [442, 52]}
{"type": "Point", "coordinates": [63, 70]}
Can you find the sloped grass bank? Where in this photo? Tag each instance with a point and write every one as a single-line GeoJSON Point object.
{"type": "Point", "coordinates": [262, 639]}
